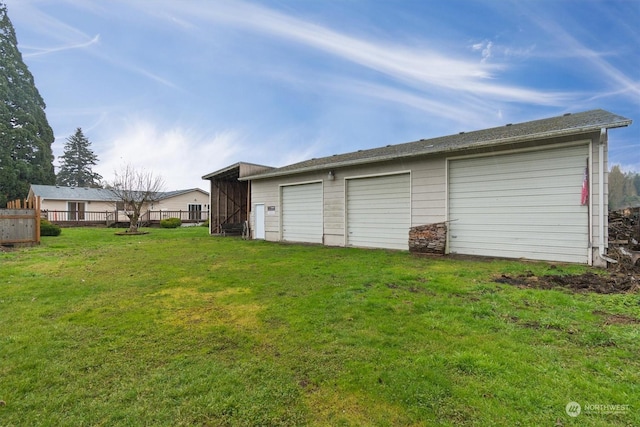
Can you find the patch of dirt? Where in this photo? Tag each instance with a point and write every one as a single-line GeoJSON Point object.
{"type": "Point", "coordinates": [129, 233]}
{"type": "Point", "coordinates": [623, 276]}
{"type": "Point", "coordinates": [412, 289]}
{"type": "Point", "coordinates": [606, 283]}
{"type": "Point", "coordinates": [617, 319]}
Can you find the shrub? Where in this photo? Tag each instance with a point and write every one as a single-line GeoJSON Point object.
{"type": "Point", "coordinates": [205, 224]}
{"type": "Point", "coordinates": [171, 223]}
{"type": "Point", "coordinates": [48, 229]}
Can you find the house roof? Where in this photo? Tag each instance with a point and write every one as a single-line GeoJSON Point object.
{"type": "Point", "coordinates": [236, 171]}
{"type": "Point", "coordinates": [169, 194]}
{"type": "Point", "coordinates": [567, 124]}
{"type": "Point", "coordinates": [58, 192]}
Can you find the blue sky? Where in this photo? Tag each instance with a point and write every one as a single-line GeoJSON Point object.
{"type": "Point", "coordinates": [186, 87]}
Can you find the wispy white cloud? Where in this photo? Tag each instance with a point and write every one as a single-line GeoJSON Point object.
{"type": "Point", "coordinates": [68, 37]}
{"type": "Point", "coordinates": [48, 26]}
{"type": "Point", "coordinates": [184, 153]}
{"type": "Point", "coordinates": [570, 46]}
{"type": "Point", "coordinates": [420, 66]}
{"type": "Point", "coordinates": [431, 105]}
{"type": "Point", "coordinates": [38, 51]}
{"type": "Point", "coordinates": [485, 48]}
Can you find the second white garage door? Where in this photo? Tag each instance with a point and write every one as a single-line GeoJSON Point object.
{"type": "Point", "coordinates": [302, 213]}
{"type": "Point", "coordinates": [520, 205]}
{"type": "Point", "coordinates": [379, 211]}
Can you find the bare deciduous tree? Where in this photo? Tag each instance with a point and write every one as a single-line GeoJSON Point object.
{"type": "Point", "coordinates": [135, 188]}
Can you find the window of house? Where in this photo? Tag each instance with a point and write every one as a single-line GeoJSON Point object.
{"type": "Point", "coordinates": [120, 206]}
{"type": "Point", "coordinates": [195, 212]}
{"type": "Point", "coordinates": [75, 211]}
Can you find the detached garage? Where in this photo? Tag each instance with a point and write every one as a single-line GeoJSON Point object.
{"type": "Point", "coordinates": [535, 190]}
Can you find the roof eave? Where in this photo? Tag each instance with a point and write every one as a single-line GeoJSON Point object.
{"type": "Point", "coordinates": [221, 171]}
{"type": "Point", "coordinates": [493, 142]}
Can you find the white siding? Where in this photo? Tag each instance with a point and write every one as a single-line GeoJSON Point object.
{"type": "Point", "coordinates": [379, 211]}
{"type": "Point", "coordinates": [267, 192]}
{"type": "Point", "coordinates": [428, 195]}
{"type": "Point", "coordinates": [90, 205]}
{"type": "Point", "coordinates": [520, 205]}
{"type": "Point", "coordinates": [182, 201]}
{"type": "Point", "coordinates": [302, 213]}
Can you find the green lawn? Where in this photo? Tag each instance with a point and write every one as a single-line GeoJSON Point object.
{"type": "Point", "coordinates": [178, 328]}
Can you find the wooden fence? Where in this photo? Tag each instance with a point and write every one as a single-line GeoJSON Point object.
{"type": "Point", "coordinates": [20, 223]}
{"type": "Point", "coordinates": [109, 218]}
{"type": "Point", "coordinates": [152, 217]}
{"type": "Point", "coordinates": [80, 218]}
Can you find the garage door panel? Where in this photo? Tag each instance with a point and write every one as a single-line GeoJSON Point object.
{"type": "Point", "coordinates": [516, 180]}
{"type": "Point", "coordinates": [513, 176]}
{"type": "Point", "coordinates": [515, 243]}
{"type": "Point", "coordinates": [515, 229]}
{"type": "Point", "coordinates": [302, 213]}
{"type": "Point", "coordinates": [380, 194]}
{"type": "Point", "coordinates": [379, 211]}
{"type": "Point", "coordinates": [530, 179]}
{"type": "Point", "coordinates": [377, 233]}
{"type": "Point", "coordinates": [520, 205]}
{"type": "Point", "coordinates": [373, 240]}
{"type": "Point", "coordinates": [520, 171]}
{"type": "Point", "coordinates": [541, 253]}
{"type": "Point", "coordinates": [519, 164]}
{"type": "Point", "coordinates": [513, 183]}
{"type": "Point", "coordinates": [515, 246]}
{"type": "Point", "coordinates": [516, 205]}
{"type": "Point", "coordinates": [515, 239]}
{"type": "Point", "coordinates": [369, 218]}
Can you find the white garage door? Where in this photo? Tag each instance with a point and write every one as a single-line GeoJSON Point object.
{"type": "Point", "coordinates": [521, 205]}
{"type": "Point", "coordinates": [302, 213]}
{"type": "Point", "coordinates": [379, 211]}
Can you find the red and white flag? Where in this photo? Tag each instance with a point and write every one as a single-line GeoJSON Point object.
{"type": "Point", "coordinates": [584, 196]}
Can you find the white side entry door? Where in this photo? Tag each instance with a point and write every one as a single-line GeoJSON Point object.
{"type": "Point", "coordinates": [259, 232]}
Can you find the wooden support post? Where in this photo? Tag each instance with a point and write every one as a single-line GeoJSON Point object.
{"type": "Point", "coordinates": [36, 210]}
{"type": "Point", "coordinates": [249, 203]}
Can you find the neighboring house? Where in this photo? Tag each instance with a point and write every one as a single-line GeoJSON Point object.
{"type": "Point", "coordinates": [98, 205]}
{"type": "Point", "coordinates": [534, 190]}
{"type": "Point", "coordinates": [191, 204]}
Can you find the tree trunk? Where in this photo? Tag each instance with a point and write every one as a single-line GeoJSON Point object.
{"type": "Point", "coordinates": [133, 222]}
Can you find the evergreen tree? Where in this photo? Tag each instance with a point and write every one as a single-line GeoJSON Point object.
{"type": "Point", "coordinates": [25, 134]}
{"type": "Point", "coordinates": [75, 169]}
{"type": "Point", "coordinates": [623, 190]}
{"type": "Point", "coordinates": [616, 187]}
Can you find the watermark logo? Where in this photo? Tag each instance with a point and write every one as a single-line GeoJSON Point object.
{"type": "Point", "coordinates": [573, 409]}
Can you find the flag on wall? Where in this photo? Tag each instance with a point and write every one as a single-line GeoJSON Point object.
{"type": "Point", "coordinates": [584, 196]}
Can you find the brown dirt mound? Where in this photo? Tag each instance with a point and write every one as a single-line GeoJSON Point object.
{"type": "Point", "coordinates": [611, 283]}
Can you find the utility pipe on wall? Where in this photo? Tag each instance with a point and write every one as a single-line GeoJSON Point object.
{"type": "Point", "coordinates": [601, 244]}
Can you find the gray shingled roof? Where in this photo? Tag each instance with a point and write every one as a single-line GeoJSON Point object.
{"type": "Point", "coordinates": [55, 192]}
{"type": "Point", "coordinates": [568, 124]}
{"type": "Point", "coordinates": [168, 194]}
